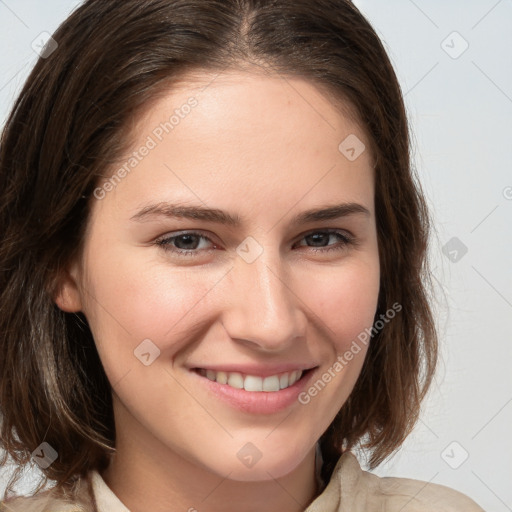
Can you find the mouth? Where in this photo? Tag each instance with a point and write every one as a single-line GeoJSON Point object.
{"type": "Point", "coordinates": [255, 394]}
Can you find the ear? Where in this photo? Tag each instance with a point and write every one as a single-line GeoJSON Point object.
{"type": "Point", "coordinates": [67, 294]}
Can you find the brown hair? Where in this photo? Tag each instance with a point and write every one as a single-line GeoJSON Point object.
{"type": "Point", "coordinates": [71, 122]}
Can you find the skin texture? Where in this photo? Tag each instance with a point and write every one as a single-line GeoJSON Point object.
{"type": "Point", "coordinates": [266, 149]}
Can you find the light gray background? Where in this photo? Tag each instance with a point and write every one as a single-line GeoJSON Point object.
{"type": "Point", "coordinates": [461, 113]}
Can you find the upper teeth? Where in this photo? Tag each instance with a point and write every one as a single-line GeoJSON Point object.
{"type": "Point", "coordinates": [253, 382]}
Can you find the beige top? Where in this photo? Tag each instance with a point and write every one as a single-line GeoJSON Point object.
{"type": "Point", "coordinates": [350, 489]}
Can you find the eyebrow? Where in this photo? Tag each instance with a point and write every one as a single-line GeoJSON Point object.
{"type": "Point", "coordinates": [169, 210]}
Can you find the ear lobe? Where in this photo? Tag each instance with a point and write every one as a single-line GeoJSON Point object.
{"type": "Point", "coordinates": [67, 294]}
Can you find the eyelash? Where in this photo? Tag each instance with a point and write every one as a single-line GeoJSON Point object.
{"type": "Point", "coordinates": [165, 242]}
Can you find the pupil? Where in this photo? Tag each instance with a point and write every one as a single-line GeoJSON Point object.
{"type": "Point", "coordinates": [188, 239]}
{"type": "Point", "coordinates": [318, 236]}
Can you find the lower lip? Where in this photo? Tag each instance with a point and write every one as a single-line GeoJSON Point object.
{"type": "Point", "coordinates": [257, 402]}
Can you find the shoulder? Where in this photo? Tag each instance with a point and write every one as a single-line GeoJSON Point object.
{"type": "Point", "coordinates": [416, 495]}
{"type": "Point", "coordinates": [49, 501]}
{"type": "Point", "coordinates": [351, 488]}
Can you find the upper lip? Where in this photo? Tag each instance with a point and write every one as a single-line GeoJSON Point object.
{"type": "Point", "coordinates": [256, 369]}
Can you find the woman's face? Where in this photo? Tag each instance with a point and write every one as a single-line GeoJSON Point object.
{"type": "Point", "coordinates": [203, 260]}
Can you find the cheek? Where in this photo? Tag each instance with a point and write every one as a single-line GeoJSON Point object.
{"type": "Point", "coordinates": [133, 300]}
{"type": "Point", "coordinates": [345, 300]}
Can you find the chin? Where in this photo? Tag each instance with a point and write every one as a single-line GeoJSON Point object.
{"type": "Point", "coordinates": [251, 464]}
{"type": "Point", "coordinates": [261, 471]}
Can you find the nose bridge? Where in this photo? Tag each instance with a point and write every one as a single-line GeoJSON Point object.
{"type": "Point", "coordinates": [264, 309]}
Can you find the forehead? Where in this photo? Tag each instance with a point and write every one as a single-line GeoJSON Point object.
{"type": "Point", "coordinates": [248, 99]}
{"type": "Point", "coordinates": [245, 137]}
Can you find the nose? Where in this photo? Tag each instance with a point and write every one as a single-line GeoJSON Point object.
{"type": "Point", "coordinates": [264, 311]}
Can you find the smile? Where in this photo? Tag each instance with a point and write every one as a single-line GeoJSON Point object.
{"type": "Point", "coordinates": [253, 383]}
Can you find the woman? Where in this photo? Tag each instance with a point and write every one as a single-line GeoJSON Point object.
{"type": "Point", "coordinates": [214, 279]}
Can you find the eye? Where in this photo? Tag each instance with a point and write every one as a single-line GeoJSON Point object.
{"type": "Point", "coordinates": [192, 243]}
{"type": "Point", "coordinates": [183, 244]}
{"type": "Point", "coordinates": [322, 239]}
